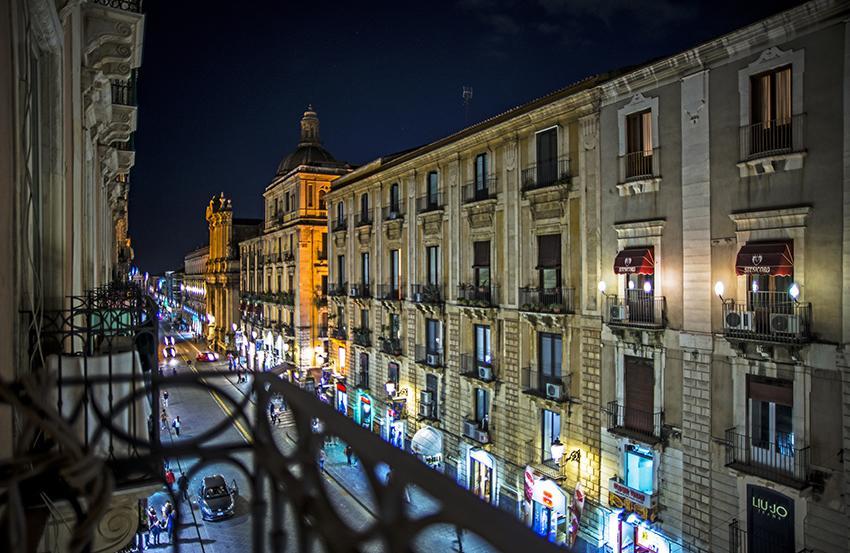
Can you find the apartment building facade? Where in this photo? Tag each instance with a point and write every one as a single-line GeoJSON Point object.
{"type": "Point", "coordinates": [194, 291]}
{"type": "Point", "coordinates": [463, 305]}
{"type": "Point", "coordinates": [283, 271]}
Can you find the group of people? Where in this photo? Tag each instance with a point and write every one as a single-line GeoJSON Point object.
{"type": "Point", "coordinates": [153, 528]}
{"type": "Point", "coordinates": [163, 417]}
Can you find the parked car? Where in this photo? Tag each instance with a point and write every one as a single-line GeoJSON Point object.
{"type": "Point", "coordinates": [216, 499]}
{"type": "Point", "coordinates": [205, 356]}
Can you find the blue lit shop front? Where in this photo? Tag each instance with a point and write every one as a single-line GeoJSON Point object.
{"type": "Point", "coordinates": [545, 507]}
{"type": "Point", "coordinates": [626, 532]}
{"type": "Point", "coordinates": [363, 411]}
{"type": "Point", "coordinates": [395, 424]}
{"type": "Point", "coordinates": [341, 398]}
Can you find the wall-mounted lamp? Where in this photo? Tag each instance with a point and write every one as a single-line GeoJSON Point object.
{"type": "Point", "coordinates": [233, 326]}
{"type": "Point", "coordinates": [647, 286]}
{"type": "Point", "coordinates": [557, 450]}
{"type": "Point", "coordinates": [794, 291]}
{"type": "Point", "coordinates": [254, 334]}
{"type": "Point", "coordinates": [719, 289]}
{"type": "Point", "coordinates": [390, 388]}
{"type": "Point", "coordinates": [631, 285]}
{"type": "Point", "coordinates": [603, 286]}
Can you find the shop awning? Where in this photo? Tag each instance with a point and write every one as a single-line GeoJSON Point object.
{"type": "Point", "coordinates": [765, 258]}
{"type": "Point", "coordinates": [427, 442]}
{"type": "Point", "coordinates": [635, 261]}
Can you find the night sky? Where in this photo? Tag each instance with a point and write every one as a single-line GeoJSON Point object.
{"type": "Point", "coordinates": [223, 84]}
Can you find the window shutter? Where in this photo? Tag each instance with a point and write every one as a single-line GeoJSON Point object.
{"type": "Point", "coordinates": [481, 254]}
{"type": "Point", "coordinates": [549, 251]}
{"type": "Point", "coordinates": [780, 392]}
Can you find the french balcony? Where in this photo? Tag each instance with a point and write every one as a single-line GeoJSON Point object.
{"type": "Point", "coordinates": [476, 295]}
{"type": "Point", "coordinates": [429, 356]}
{"type": "Point", "coordinates": [476, 431]}
{"type": "Point", "coordinates": [547, 386]}
{"type": "Point", "coordinates": [542, 175]}
{"type": "Point", "coordinates": [390, 292]}
{"type": "Point", "coordinates": [636, 424]}
{"type": "Point", "coordinates": [339, 289]}
{"type": "Point", "coordinates": [393, 212]}
{"type": "Point", "coordinates": [480, 191]}
{"type": "Point", "coordinates": [429, 203]}
{"type": "Point", "coordinates": [362, 291]}
{"type": "Point", "coordinates": [768, 317]}
{"type": "Point", "coordinates": [392, 346]}
{"type": "Point", "coordinates": [339, 333]}
{"type": "Point", "coordinates": [477, 369]}
{"type": "Point", "coordinates": [427, 294]}
{"type": "Point", "coordinates": [638, 309]}
{"type": "Point", "coordinates": [640, 166]}
{"type": "Point", "coordinates": [363, 218]}
{"type": "Point", "coordinates": [546, 300]}
{"type": "Point", "coordinates": [782, 461]}
{"type": "Point", "coordinates": [339, 224]}
{"type": "Point", "coordinates": [362, 336]}
{"type": "Point", "coordinates": [776, 137]}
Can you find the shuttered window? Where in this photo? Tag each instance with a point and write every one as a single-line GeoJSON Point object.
{"type": "Point", "coordinates": [639, 384]}
{"type": "Point", "coordinates": [549, 251]}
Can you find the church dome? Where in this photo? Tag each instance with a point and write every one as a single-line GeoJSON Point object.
{"type": "Point", "coordinates": [310, 151]}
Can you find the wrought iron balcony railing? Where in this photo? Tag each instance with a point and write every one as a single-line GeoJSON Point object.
{"type": "Point", "coordinates": [770, 317]}
{"type": "Point", "coordinates": [392, 346]}
{"type": "Point", "coordinates": [781, 460]}
{"type": "Point", "coordinates": [638, 309]}
{"type": "Point", "coordinates": [339, 333]}
{"type": "Point", "coordinates": [429, 202]}
{"type": "Point", "coordinates": [426, 293]}
{"type": "Point", "coordinates": [478, 369]}
{"type": "Point", "coordinates": [638, 424]}
{"type": "Point", "coordinates": [430, 356]}
{"type": "Point", "coordinates": [480, 191]}
{"type": "Point", "coordinates": [124, 92]}
{"type": "Point", "coordinates": [126, 5]}
{"type": "Point", "coordinates": [290, 504]}
{"type": "Point", "coordinates": [339, 224]}
{"type": "Point", "coordinates": [640, 165]}
{"type": "Point", "coordinates": [538, 383]}
{"type": "Point", "coordinates": [476, 295]}
{"type": "Point", "coordinates": [338, 289]}
{"type": "Point", "coordinates": [773, 138]}
{"type": "Point", "coordinates": [394, 211]}
{"type": "Point", "coordinates": [362, 336]}
{"type": "Point", "coordinates": [361, 379]}
{"type": "Point", "coordinates": [363, 218]}
{"type": "Point", "coordinates": [390, 292]}
{"type": "Point", "coordinates": [362, 290]}
{"type": "Point", "coordinates": [551, 173]}
{"type": "Point", "coordinates": [546, 300]}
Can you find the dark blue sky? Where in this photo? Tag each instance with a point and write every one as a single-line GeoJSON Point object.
{"type": "Point", "coordinates": [223, 84]}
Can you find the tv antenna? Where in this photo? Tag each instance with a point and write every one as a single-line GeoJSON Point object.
{"type": "Point", "coordinates": [467, 97]}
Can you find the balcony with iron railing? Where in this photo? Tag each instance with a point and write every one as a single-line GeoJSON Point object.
{"type": "Point", "coordinates": [477, 431]}
{"type": "Point", "coordinates": [124, 92]}
{"type": "Point", "coordinates": [392, 346]}
{"type": "Point", "coordinates": [363, 218]}
{"type": "Point", "coordinates": [546, 300]}
{"type": "Point", "coordinates": [477, 369]}
{"type": "Point", "coordinates": [362, 336]}
{"type": "Point", "coordinates": [426, 294]}
{"type": "Point", "coordinates": [639, 309]}
{"type": "Point", "coordinates": [390, 292]}
{"type": "Point", "coordinates": [775, 137]}
{"type": "Point", "coordinates": [768, 317]}
{"type": "Point", "coordinates": [486, 189]}
{"type": "Point", "coordinates": [429, 203]}
{"type": "Point", "coordinates": [637, 424]}
{"type": "Point", "coordinates": [642, 165]}
{"type": "Point", "coordinates": [783, 460]}
{"type": "Point", "coordinates": [477, 295]}
{"type": "Point", "coordinates": [431, 356]}
{"type": "Point", "coordinates": [288, 257]}
{"type": "Point", "coordinates": [393, 212]}
{"type": "Point", "coordinates": [555, 387]}
{"type": "Point", "coordinates": [339, 333]}
{"type": "Point", "coordinates": [542, 175]}
{"type": "Point", "coordinates": [339, 224]}
{"type": "Point", "coordinates": [340, 289]}
{"type": "Point", "coordinates": [362, 290]}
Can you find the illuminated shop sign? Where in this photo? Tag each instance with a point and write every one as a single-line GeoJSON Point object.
{"type": "Point", "coordinates": [770, 521]}
{"type": "Point", "coordinates": [631, 500]}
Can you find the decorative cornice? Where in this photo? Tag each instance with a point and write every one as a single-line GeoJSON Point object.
{"type": "Point", "coordinates": [771, 219]}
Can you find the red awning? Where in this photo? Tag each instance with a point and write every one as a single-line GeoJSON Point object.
{"type": "Point", "coordinates": [773, 258]}
{"type": "Point", "coordinates": [635, 261]}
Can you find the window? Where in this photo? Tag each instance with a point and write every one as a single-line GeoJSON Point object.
{"type": "Point", "coordinates": [547, 157]}
{"type": "Point", "coordinates": [431, 383]}
{"type": "Point", "coordinates": [549, 357]}
{"type": "Point", "coordinates": [394, 198]}
{"type": "Point", "coordinates": [323, 252]}
{"type": "Point", "coordinates": [322, 203]}
{"type": "Point", "coordinates": [771, 406]}
{"type": "Point", "coordinates": [392, 372]}
{"type": "Point", "coordinates": [288, 202]}
{"type": "Point", "coordinates": [310, 195]}
{"type": "Point", "coordinates": [433, 193]}
{"type": "Point", "coordinates": [433, 336]}
{"type": "Point", "coordinates": [291, 282]}
{"type": "Point", "coordinates": [639, 144]}
{"type": "Point", "coordinates": [482, 344]}
{"type": "Point", "coordinates": [340, 214]}
{"type": "Point", "coordinates": [363, 377]}
{"type": "Point", "coordinates": [638, 469]}
{"type": "Point", "coordinates": [340, 317]}
{"type": "Point", "coordinates": [549, 264]}
{"type": "Point", "coordinates": [481, 184]}
{"type": "Point", "coordinates": [550, 431]}
{"type": "Point", "coordinates": [482, 406]}
{"type": "Point", "coordinates": [395, 275]}
{"type": "Point", "coordinates": [340, 264]}
{"type": "Point", "coordinates": [395, 326]}
{"type": "Point", "coordinates": [770, 98]}
{"type": "Point", "coordinates": [364, 318]}
{"type": "Point", "coordinates": [364, 207]}
{"type": "Point", "coordinates": [279, 287]}
{"type": "Point", "coordinates": [639, 394]}
{"type": "Point", "coordinates": [364, 268]}
{"type": "Point", "coordinates": [433, 267]}
{"type": "Point", "coordinates": [481, 264]}
{"type": "Point", "coordinates": [324, 285]}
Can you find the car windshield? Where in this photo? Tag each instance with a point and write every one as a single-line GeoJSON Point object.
{"type": "Point", "coordinates": [215, 491]}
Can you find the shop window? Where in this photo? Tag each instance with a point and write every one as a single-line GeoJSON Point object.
{"type": "Point", "coordinates": [550, 431]}
{"type": "Point", "coordinates": [639, 469]}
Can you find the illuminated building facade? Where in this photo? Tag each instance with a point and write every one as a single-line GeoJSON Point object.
{"type": "Point", "coordinates": [194, 291]}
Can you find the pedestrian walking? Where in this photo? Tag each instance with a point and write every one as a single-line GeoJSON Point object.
{"type": "Point", "coordinates": [183, 486]}
{"type": "Point", "coordinates": [163, 420]}
{"type": "Point", "coordinates": [165, 399]}
{"type": "Point", "coordinates": [169, 479]}
{"type": "Point", "coordinates": [169, 526]}
{"type": "Point", "coordinates": [459, 535]}
{"type": "Point", "coordinates": [142, 534]}
{"type": "Point", "coordinates": [174, 370]}
{"type": "Point", "coordinates": [322, 457]}
{"type": "Point", "coordinates": [175, 424]}
{"type": "Point", "coordinates": [348, 453]}
{"type": "Point", "coordinates": [153, 525]}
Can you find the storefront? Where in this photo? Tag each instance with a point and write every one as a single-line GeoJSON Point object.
{"type": "Point", "coordinates": [545, 507]}
{"type": "Point", "coordinates": [395, 425]}
{"type": "Point", "coordinates": [482, 470]}
{"type": "Point", "coordinates": [770, 521]}
{"type": "Point", "coordinates": [341, 398]}
{"type": "Point", "coordinates": [427, 445]}
{"type": "Point", "coordinates": [364, 411]}
{"type": "Point", "coordinates": [627, 532]}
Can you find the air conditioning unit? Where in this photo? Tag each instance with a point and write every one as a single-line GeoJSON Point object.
{"type": "Point", "coordinates": [554, 391]}
{"type": "Point", "coordinates": [485, 372]}
{"type": "Point", "coordinates": [739, 320]}
{"type": "Point", "coordinates": [470, 428]}
{"type": "Point", "coordinates": [425, 410]}
{"type": "Point", "coordinates": [426, 397]}
{"type": "Point", "coordinates": [483, 436]}
{"type": "Point", "coordinates": [432, 359]}
{"type": "Point", "coordinates": [619, 312]}
{"type": "Point", "coordinates": [353, 292]}
{"type": "Point", "coordinates": [784, 324]}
